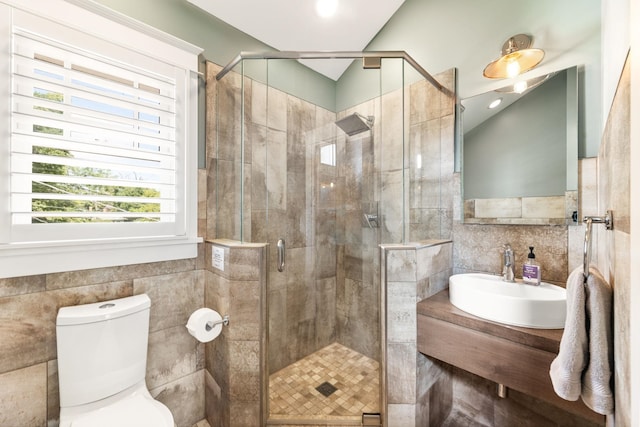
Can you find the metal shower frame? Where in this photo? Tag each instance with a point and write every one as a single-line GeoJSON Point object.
{"type": "Point", "coordinates": [365, 56]}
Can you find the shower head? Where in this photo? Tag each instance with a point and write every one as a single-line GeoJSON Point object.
{"type": "Point", "coordinates": [355, 123]}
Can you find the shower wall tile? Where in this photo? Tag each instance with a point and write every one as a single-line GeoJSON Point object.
{"type": "Point", "coordinates": [211, 100]}
{"type": "Point", "coordinates": [325, 128]}
{"type": "Point", "coordinates": [391, 133]}
{"type": "Point", "coordinates": [245, 310]}
{"type": "Point", "coordinates": [225, 223]}
{"type": "Point", "coordinates": [412, 272]}
{"type": "Point", "coordinates": [245, 414]}
{"type": "Point", "coordinates": [276, 169]}
{"type": "Point", "coordinates": [202, 202]}
{"type": "Point", "coordinates": [390, 209]}
{"type": "Point", "coordinates": [325, 312]}
{"type": "Point", "coordinates": [421, 103]}
{"type": "Point", "coordinates": [325, 249]}
{"type": "Point", "coordinates": [401, 265]}
{"type": "Point", "coordinates": [259, 157]}
{"type": "Point", "coordinates": [229, 127]}
{"type": "Point", "coordinates": [301, 118]}
{"type": "Point", "coordinates": [212, 212]}
{"type": "Point", "coordinates": [234, 359]}
{"type": "Point", "coordinates": [401, 313]}
{"type": "Point", "coordinates": [298, 218]}
{"type": "Point", "coordinates": [356, 313]}
{"type": "Point", "coordinates": [257, 103]}
{"type": "Point", "coordinates": [240, 263]}
{"type": "Point", "coordinates": [277, 110]}
{"type": "Point", "coordinates": [401, 374]}
{"type": "Point", "coordinates": [277, 300]}
{"type": "Point", "coordinates": [401, 415]}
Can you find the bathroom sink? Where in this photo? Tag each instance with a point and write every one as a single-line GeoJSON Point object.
{"type": "Point", "coordinates": [517, 304]}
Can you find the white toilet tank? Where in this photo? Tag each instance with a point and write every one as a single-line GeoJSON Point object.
{"type": "Point", "coordinates": [102, 348]}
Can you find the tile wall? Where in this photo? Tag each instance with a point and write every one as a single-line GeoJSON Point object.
{"type": "Point", "coordinates": [235, 360]}
{"type": "Point", "coordinates": [175, 361]}
{"type": "Point", "coordinates": [28, 309]}
{"type": "Point", "coordinates": [418, 390]}
{"type": "Point", "coordinates": [614, 246]}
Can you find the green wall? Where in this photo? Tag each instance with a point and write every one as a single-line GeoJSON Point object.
{"type": "Point", "coordinates": [429, 31]}
{"type": "Point", "coordinates": [222, 43]}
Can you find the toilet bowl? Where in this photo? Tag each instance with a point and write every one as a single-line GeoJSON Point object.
{"type": "Point", "coordinates": [133, 407]}
{"type": "Point", "coordinates": [102, 359]}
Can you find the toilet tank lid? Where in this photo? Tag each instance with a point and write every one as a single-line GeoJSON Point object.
{"type": "Point", "coordinates": [101, 311]}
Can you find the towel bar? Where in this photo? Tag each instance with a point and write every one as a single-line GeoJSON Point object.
{"type": "Point", "coordinates": [607, 220]}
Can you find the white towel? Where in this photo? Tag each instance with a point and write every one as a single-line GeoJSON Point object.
{"type": "Point", "coordinates": [584, 363]}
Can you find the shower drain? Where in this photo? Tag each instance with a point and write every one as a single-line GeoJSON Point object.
{"type": "Point", "coordinates": [326, 389]}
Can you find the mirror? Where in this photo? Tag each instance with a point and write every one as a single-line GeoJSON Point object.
{"type": "Point", "coordinates": [520, 159]}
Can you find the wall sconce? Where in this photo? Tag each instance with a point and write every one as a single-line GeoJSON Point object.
{"type": "Point", "coordinates": [517, 57]}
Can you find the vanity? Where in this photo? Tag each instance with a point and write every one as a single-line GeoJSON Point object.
{"type": "Point", "coordinates": [516, 357]}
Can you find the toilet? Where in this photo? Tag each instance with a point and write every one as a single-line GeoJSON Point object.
{"type": "Point", "coordinates": [102, 361]}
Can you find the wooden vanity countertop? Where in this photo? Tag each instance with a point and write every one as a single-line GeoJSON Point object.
{"type": "Point", "coordinates": [439, 307]}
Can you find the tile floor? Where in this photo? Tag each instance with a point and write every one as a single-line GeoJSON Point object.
{"type": "Point", "coordinates": [293, 395]}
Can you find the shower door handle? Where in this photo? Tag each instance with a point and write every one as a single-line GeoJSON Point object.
{"type": "Point", "coordinates": [281, 254]}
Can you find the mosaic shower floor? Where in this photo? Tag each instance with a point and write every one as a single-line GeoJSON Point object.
{"type": "Point", "coordinates": [297, 392]}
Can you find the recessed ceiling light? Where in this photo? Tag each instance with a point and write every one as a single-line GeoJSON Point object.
{"type": "Point", "coordinates": [326, 8]}
{"type": "Point", "coordinates": [495, 103]}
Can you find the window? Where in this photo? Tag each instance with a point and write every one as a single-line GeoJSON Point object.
{"type": "Point", "coordinates": [100, 156]}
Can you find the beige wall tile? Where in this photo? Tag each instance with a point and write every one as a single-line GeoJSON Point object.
{"type": "Point", "coordinates": [401, 312]}
{"type": "Point", "coordinates": [172, 354]}
{"type": "Point", "coordinates": [53, 394]}
{"type": "Point", "coordinates": [401, 415]}
{"type": "Point", "coordinates": [22, 285]}
{"type": "Point", "coordinates": [543, 207]}
{"type": "Point", "coordinates": [174, 297]}
{"type": "Point", "coordinates": [499, 208]}
{"type": "Point", "coordinates": [401, 372]}
{"type": "Point", "coordinates": [23, 397]}
{"type": "Point", "coordinates": [29, 321]}
{"type": "Point", "coordinates": [184, 397]}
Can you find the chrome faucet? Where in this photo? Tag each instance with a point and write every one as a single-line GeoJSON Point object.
{"type": "Point", "coordinates": [507, 265]}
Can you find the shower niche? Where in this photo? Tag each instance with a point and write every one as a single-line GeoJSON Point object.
{"type": "Point", "coordinates": [330, 177]}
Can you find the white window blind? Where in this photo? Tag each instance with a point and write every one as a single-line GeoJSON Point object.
{"type": "Point", "coordinates": [93, 141]}
{"type": "Point", "coordinates": [98, 139]}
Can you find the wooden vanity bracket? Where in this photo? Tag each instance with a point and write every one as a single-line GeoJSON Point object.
{"type": "Point", "coordinates": [517, 357]}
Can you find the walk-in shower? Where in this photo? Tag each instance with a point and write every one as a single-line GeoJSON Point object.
{"type": "Point", "coordinates": [334, 169]}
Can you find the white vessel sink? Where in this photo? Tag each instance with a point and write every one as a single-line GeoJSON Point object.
{"type": "Point", "coordinates": [517, 304]}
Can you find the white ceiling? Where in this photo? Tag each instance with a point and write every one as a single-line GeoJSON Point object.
{"type": "Point", "coordinates": [294, 25]}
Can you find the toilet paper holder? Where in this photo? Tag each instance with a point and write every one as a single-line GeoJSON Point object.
{"type": "Point", "coordinates": [210, 325]}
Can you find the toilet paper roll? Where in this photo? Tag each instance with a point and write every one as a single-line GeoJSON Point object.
{"type": "Point", "coordinates": [197, 324]}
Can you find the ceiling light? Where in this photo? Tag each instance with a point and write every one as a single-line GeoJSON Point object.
{"type": "Point", "coordinates": [517, 58]}
{"type": "Point", "coordinates": [495, 103]}
{"type": "Point", "coordinates": [326, 8]}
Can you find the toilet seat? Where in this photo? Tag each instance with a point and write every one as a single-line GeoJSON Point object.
{"type": "Point", "coordinates": [135, 411]}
